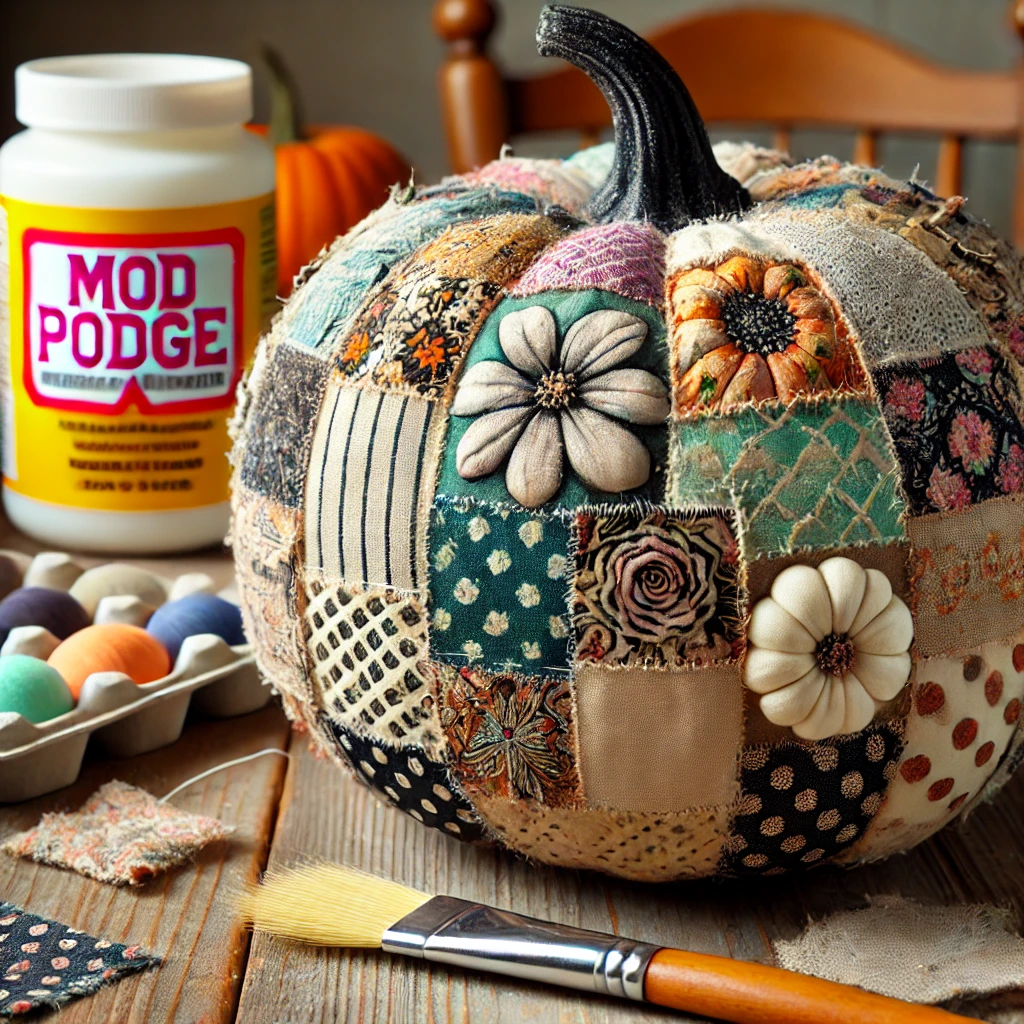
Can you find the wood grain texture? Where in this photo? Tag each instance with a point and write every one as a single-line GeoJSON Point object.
{"type": "Point", "coordinates": [326, 814]}
{"type": "Point", "coordinates": [185, 916]}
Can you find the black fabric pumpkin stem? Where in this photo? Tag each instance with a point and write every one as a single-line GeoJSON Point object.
{"type": "Point", "coordinates": [664, 170]}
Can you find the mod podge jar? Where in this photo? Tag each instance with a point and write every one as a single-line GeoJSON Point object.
{"type": "Point", "coordinates": [140, 238]}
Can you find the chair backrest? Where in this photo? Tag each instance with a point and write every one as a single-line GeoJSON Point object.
{"type": "Point", "coordinates": [782, 69]}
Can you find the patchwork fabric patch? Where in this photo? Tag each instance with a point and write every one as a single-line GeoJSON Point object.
{"type": "Point", "coordinates": [802, 804]}
{"type": "Point", "coordinates": [568, 442]}
{"type": "Point", "coordinates": [279, 425]}
{"type": "Point", "coordinates": [415, 331]}
{"type": "Point", "coordinates": [810, 475]}
{"type": "Point", "coordinates": [968, 576]}
{"type": "Point", "coordinates": [644, 847]}
{"type": "Point", "coordinates": [121, 834]}
{"type": "Point", "coordinates": [965, 711]}
{"type": "Point", "coordinates": [410, 780]}
{"type": "Point", "coordinates": [555, 182]}
{"type": "Point", "coordinates": [49, 964]}
{"type": "Point", "coordinates": [511, 736]}
{"type": "Point", "coordinates": [658, 741]}
{"type": "Point", "coordinates": [627, 258]}
{"type": "Point", "coordinates": [266, 532]}
{"type": "Point", "coordinates": [497, 588]}
{"type": "Point", "coordinates": [365, 647]}
{"type": "Point", "coordinates": [371, 478]}
{"type": "Point", "coordinates": [655, 587]}
{"type": "Point", "coordinates": [956, 425]}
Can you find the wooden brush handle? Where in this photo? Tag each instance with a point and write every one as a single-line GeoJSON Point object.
{"type": "Point", "coordinates": [748, 993]}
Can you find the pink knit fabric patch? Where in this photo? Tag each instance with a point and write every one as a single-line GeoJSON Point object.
{"type": "Point", "coordinates": [122, 835]}
{"type": "Point", "coordinates": [626, 258]}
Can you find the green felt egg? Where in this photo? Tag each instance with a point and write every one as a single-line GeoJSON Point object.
{"type": "Point", "coordinates": [33, 689]}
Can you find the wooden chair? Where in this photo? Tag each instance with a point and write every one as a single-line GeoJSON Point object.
{"type": "Point", "coordinates": [783, 69]}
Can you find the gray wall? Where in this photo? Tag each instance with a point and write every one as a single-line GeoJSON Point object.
{"type": "Point", "coordinates": [372, 62]}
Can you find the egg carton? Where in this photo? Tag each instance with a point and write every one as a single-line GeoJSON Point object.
{"type": "Point", "coordinates": [126, 718]}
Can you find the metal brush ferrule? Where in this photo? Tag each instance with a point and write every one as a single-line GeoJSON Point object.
{"type": "Point", "coordinates": [451, 931]}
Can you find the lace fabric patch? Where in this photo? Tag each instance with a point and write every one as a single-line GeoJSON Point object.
{"type": "Point", "coordinates": [122, 835]}
{"type": "Point", "coordinates": [966, 708]}
{"type": "Point", "coordinates": [654, 741]}
{"type": "Point", "coordinates": [50, 963]}
{"type": "Point", "coordinates": [645, 847]}
{"type": "Point", "coordinates": [365, 646]}
{"type": "Point", "coordinates": [811, 475]}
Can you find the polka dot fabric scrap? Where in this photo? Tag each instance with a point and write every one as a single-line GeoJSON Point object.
{"type": "Point", "coordinates": [665, 553]}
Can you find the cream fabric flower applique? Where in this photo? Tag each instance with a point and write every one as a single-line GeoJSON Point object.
{"type": "Point", "coordinates": [828, 647]}
{"type": "Point", "coordinates": [556, 402]}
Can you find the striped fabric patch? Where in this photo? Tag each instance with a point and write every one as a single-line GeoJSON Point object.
{"type": "Point", "coordinates": [370, 487]}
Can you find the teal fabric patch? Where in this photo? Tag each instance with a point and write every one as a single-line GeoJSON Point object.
{"type": "Point", "coordinates": [812, 475]}
{"type": "Point", "coordinates": [498, 589]}
{"type": "Point", "coordinates": [323, 308]}
{"type": "Point", "coordinates": [567, 307]}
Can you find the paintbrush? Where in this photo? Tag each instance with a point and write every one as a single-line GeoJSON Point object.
{"type": "Point", "coordinates": [332, 905]}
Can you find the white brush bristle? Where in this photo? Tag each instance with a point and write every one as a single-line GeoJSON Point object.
{"type": "Point", "coordinates": [328, 905]}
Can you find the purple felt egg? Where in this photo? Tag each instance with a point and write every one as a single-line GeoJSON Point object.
{"type": "Point", "coordinates": [198, 613]}
{"type": "Point", "coordinates": [54, 610]}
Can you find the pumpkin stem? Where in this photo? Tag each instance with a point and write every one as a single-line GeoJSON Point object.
{"type": "Point", "coordinates": [664, 170]}
{"type": "Point", "coordinates": [285, 124]}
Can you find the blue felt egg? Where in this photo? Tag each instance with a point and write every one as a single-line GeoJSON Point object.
{"type": "Point", "coordinates": [197, 613]}
{"type": "Point", "coordinates": [33, 689]}
{"type": "Point", "coordinates": [55, 610]}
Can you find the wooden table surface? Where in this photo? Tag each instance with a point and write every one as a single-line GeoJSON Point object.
{"type": "Point", "coordinates": [285, 811]}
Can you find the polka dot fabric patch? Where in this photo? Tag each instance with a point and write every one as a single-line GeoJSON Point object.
{"type": "Point", "coordinates": [802, 804]}
{"type": "Point", "coordinates": [410, 780]}
{"type": "Point", "coordinates": [965, 711]}
{"type": "Point", "coordinates": [47, 964]}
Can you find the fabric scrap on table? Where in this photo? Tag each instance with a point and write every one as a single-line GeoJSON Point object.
{"type": "Point", "coordinates": [904, 949]}
{"type": "Point", "coordinates": [46, 963]}
{"type": "Point", "coordinates": [122, 835]}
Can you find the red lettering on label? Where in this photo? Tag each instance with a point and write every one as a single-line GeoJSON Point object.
{"type": "Point", "coordinates": [92, 320]}
{"type": "Point", "coordinates": [50, 335]}
{"type": "Point", "coordinates": [100, 277]}
{"type": "Point", "coordinates": [180, 343]}
{"type": "Point", "coordinates": [135, 265]}
{"type": "Point", "coordinates": [118, 359]}
{"type": "Point", "coordinates": [205, 337]}
{"type": "Point", "coordinates": [169, 263]}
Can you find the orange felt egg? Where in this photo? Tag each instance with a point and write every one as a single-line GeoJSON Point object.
{"type": "Point", "coordinates": [110, 648]}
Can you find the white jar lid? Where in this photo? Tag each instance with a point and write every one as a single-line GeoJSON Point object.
{"type": "Point", "coordinates": [132, 92]}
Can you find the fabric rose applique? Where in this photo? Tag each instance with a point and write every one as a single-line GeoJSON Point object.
{"type": "Point", "coordinates": [827, 647]}
{"type": "Point", "coordinates": [555, 401]}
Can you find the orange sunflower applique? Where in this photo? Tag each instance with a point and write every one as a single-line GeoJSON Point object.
{"type": "Point", "coordinates": [748, 330]}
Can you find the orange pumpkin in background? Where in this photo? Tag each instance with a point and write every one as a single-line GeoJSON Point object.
{"type": "Point", "coordinates": [329, 177]}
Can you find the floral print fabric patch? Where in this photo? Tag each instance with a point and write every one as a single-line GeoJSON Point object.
{"type": "Point", "coordinates": [497, 588]}
{"type": "Point", "coordinates": [46, 963]}
{"type": "Point", "coordinates": [656, 589]}
{"type": "Point", "coordinates": [511, 736]}
{"type": "Point", "coordinates": [956, 426]}
{"type": "Point", "coordinates": [808, 476]}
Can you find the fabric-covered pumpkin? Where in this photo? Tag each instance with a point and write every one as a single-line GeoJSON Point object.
{"type": "Point", "coordinates": [644, 517]}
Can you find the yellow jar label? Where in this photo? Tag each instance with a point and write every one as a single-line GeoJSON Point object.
{"type": "Point", "coordinates": [129, 331]}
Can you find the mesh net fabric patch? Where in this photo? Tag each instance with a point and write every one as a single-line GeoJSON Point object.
{"type": "Point", "coordinates": [410, 780]}
{"type": "Point", "coordinates": [966, 708]}
{"type": "Point", "coordinates": [655, 587]}
{"type": "Point", "coordinates": [956, 425]}
{"type": "Point", "coordinates": [121, 835]}
{"type": "Point", "coordinates": [802, 804]}
{"type": "Point", "coordinates": [809, 475]}
{"type": "Point", "coordinates": [497, 588]}
{"type": "Point", "coordinates": [47, 964]}
{"type": "Point", "coordinates": [370, 486]}
{"type": "Point", "coordinates": [646, 847]}
{"type": "Point", "coordinates": [365, 646]}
